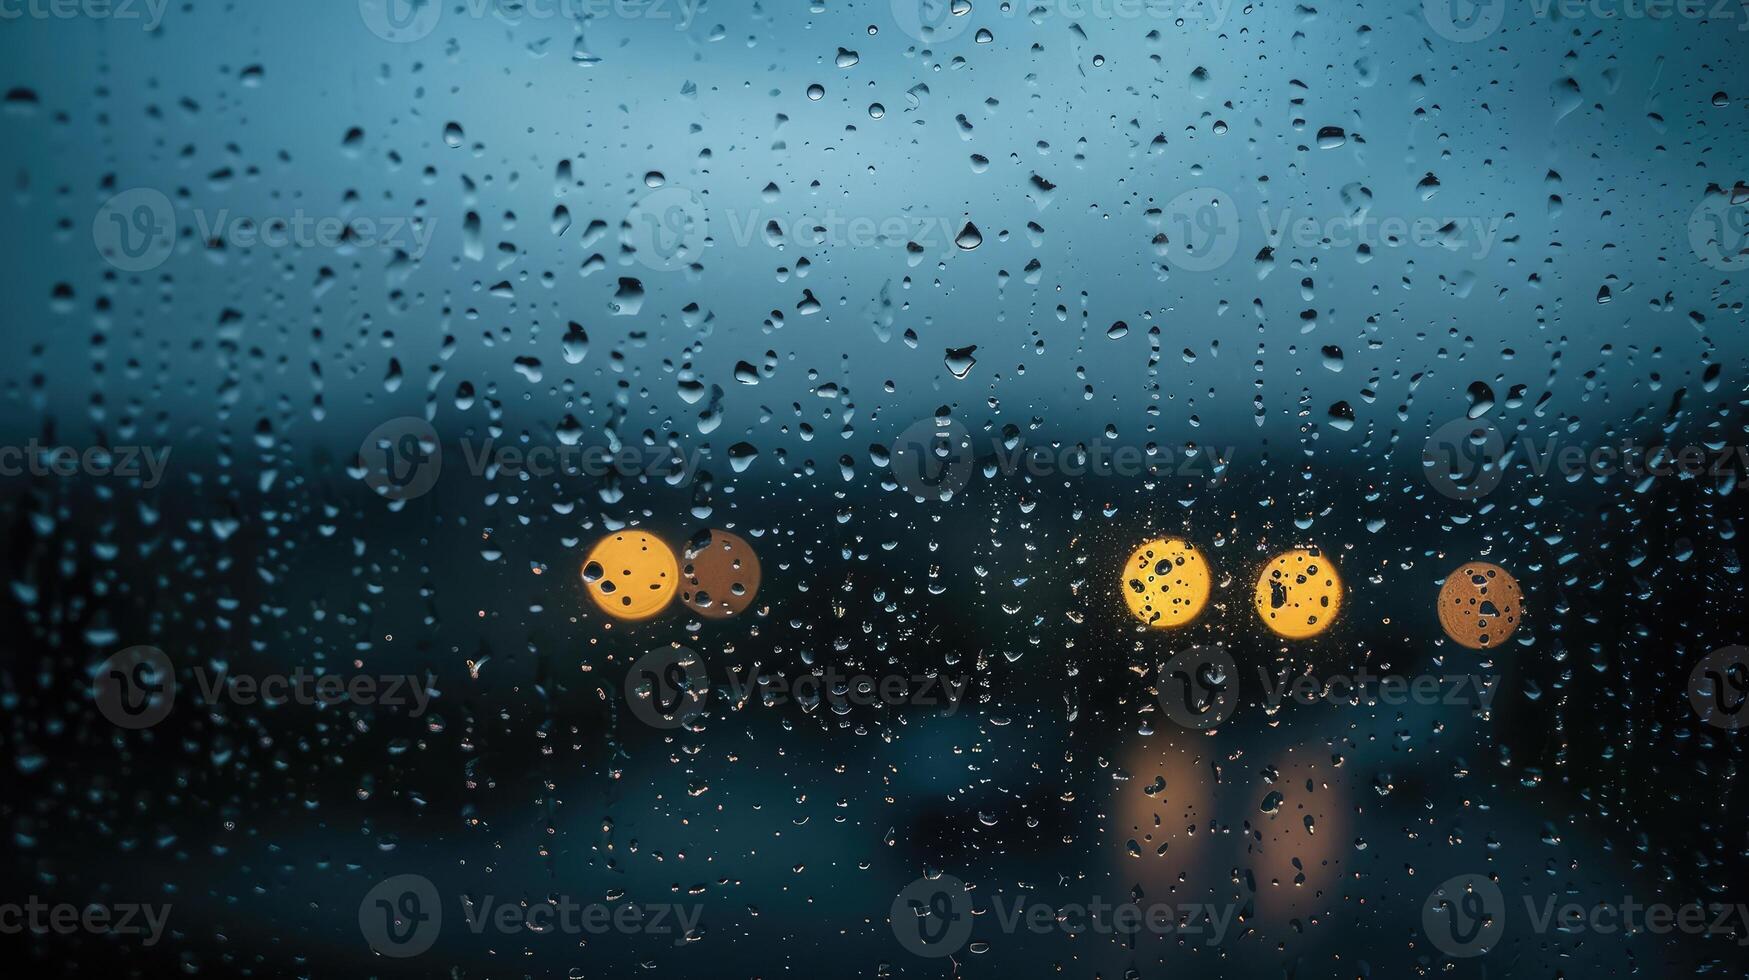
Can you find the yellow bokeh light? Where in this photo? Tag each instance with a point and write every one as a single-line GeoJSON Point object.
{"type": "Point", "coordinates": [1299, 594]}
{"type": "Point", "coordinates": [631, 575]}
{"type": "Point", "coordinates": [1166, 583]}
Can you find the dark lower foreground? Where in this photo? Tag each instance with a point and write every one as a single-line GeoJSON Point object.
{"type": "Point", "coordinates": [1303, 841]}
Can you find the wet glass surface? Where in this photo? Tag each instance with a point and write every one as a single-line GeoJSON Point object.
{"type": "Point", "coordinates": [1109, 488]}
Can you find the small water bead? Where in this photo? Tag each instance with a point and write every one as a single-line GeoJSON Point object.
{"type": "Point", "coordinates": [816, 92]}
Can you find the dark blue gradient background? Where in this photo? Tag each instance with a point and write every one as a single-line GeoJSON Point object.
{"type": "Point", "coordinates": [523, 143]}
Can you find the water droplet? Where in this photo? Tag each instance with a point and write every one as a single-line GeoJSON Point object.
{"type": "Point", "coordinates": [960, 361]}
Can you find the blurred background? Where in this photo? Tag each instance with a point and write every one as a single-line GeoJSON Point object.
{"type": "Point", "coordinates": [868, 285]}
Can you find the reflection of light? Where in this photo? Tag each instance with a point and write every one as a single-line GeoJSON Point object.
{"type": "Point", "coordinates": [719, 574]}
{"type": "Point", "coordinates": [1479, 605]}
{"type": "Point", "coordinates": [631, 575]}
{"type": "Point", "coordinates": [1295, 853]}
{"type": "Point", "coordinates": [1165, 811]}
{"type": "Point", "coordinates": [1166, 583]}
{"type": "Point", "coordinates": [1182, 838]}
{"type": "Point", "coordinates": [1299, 593]}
